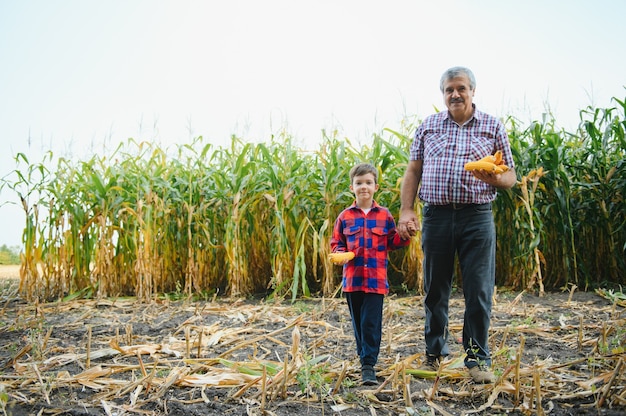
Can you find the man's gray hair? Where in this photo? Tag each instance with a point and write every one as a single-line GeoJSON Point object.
{"type": "Point", "coordinates": [457, 71]}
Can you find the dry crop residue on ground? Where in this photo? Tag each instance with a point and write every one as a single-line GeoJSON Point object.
{"type": "Point", "coordinates": [562, 354]}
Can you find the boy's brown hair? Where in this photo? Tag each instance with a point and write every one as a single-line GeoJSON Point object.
{"type": "Point", "coordinates": [363, 169]}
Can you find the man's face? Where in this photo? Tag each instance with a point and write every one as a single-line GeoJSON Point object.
{"type": "Point", "coordinates": [458, 97]}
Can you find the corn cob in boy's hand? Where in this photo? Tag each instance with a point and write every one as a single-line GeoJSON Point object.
{"type": "Point", "coordinates": [341, 257]}
{"type": "Point", "coordinates": [490, 163]}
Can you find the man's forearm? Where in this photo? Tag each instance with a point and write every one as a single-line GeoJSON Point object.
{"type": "Point", "coordinates": [408, 193]}
{"type": "Point", "coordinates": [408, 190]}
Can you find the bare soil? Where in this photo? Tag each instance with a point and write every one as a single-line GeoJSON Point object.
{"type": "Point", "coordinates": [559, 354]}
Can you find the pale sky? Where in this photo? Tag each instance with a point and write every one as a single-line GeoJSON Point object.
{"type": "Point", "coordinates": [78, 76]}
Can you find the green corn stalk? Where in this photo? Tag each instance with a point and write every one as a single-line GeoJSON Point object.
{"type": "Point", "coordinates": [252, 217]}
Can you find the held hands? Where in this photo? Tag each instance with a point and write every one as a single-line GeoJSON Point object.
{"type": "Point", "coordinates": [408, 225]}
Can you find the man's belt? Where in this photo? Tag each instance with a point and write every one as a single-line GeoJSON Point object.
{"type": "Point", "coordinates": [457, 206]}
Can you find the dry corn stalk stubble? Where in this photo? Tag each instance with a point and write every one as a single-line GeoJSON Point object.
{"type": "Point", "coordinates": [235, 354]}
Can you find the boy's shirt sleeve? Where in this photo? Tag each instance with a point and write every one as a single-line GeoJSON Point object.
{"type": "Point", "coordinates": [394, 240]}
{"type": "Point", "coordinates": [338, 240]}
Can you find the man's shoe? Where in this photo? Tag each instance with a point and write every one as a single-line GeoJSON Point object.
{"type": "Point", "coordinates": [482, 375]}
{"type": "Point", "coordinates": [431, 363]}
{"type": "Point", "coordinates": [368, 376]}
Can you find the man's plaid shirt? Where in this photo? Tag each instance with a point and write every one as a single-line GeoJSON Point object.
{"type": "Point", "coordinates": [445, 147]}
{"type": "Point", "coordinates": [369, 236]}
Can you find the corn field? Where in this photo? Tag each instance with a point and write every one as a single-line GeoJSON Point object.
{"type": "Point", "coordinates": [256, 218]}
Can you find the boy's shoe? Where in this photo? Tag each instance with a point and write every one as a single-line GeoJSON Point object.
{"type": "Point", "coordinates": [368, 375]}
{"type": "Point", "coordinates": [431, 363]}
{"type": "Point", "coordinates": [481, 374]}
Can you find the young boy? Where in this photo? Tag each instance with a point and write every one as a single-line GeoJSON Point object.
{"type": "Point", "coordinates": [369, 231]}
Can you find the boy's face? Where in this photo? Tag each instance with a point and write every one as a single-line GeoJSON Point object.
{"type": "Point", "coordinates": [364, 187]}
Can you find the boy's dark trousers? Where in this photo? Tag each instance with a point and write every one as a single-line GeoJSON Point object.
{"type": "Point", "coordinates": [366, 311]}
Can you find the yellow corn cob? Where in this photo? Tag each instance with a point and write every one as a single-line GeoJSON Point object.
{"type": "Point", "coordinates": [501, 168]}
{"type": "Point", "coordinates": [489, 158]}
{"type": "Point", "coordinates": [480, 165]}
{"type": "Point", "coordinates": [498, 158]}
{"type": "Point", "coordinates": [488, 166]}
{"type": "Point", "coordinates": [340, 257]}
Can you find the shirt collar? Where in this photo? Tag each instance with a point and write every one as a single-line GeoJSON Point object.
{"type": "Point", "coordinates": [476, 114]}
{"type": "Point", "coordinates": [374, 205]}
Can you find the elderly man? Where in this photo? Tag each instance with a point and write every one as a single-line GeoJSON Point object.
{"type": "Point", "coordinates": [457, 219]}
